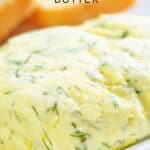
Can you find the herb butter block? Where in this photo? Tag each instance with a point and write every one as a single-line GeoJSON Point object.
{"type": "Point", "coordinates": [65, 89]}
{"type": "Point", "coordinates": [129, 35]}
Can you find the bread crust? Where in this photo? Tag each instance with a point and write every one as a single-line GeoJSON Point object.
{"type": "Point", "coordinates": [77, 13]}
{"type": "Point", "coordinates": [70, 14]}
{"type": "Point", "coordinates": [12, 14]}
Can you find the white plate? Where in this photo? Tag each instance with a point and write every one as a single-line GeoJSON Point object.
{"type": "Point", "coordinates": [145, 145]}
{"type": "Point", "coordinates": [140, 8]}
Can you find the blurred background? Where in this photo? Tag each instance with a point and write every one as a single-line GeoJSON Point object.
{"type": "Point", "coordinates": [141, 7]}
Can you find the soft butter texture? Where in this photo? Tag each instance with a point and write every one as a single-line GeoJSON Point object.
{"type": "Point", "coordinates": [130, 35]}
{"type": "Point", "coordinates": [65, 89]}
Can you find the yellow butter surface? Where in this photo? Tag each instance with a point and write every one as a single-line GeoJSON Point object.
{"type": "Point", "coordinates": [66, 89]}
{"type": "Point", "coordinates": [129, 35]}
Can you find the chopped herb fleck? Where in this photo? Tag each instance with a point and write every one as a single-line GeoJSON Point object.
{"type": "Point", "coordinates": [38, 66]}
{"type": "Point", "coordinates": [11, 133]}
{"type": "Point", "coordinates": [16, 115]}
{"type": "Point", "coordinates": [2, 142]}
{"type": "Point", "coordinates": [8, 92]}
{"type": "Point", "coordinates": [90, 124]}
{"type": "Point", "coordinates": [77, 113]}
{"type": "Point", "coordinates": [62, 91]}
{"type": "Point", "coordinates": [46, 135]}
{"type": "Point", "coordinates": [16, 62]}
{"type": "Point", "coordinates": [137, 91]}
{"type": "Point", "coordinates": [79, 134]}
{"type": "Point", "coordinates": [64, 68]}
{"type": "Point", "coordinates": [104, 64]}
{"type": "Point", "coordinates": [115, 103]}
{"type": "Point", "coordinates": [55, 108]}
{"type": "Point", "coordinates": [46, 146]}
{"type": "Point", "coordinates": [128, 80]}
{"type": "Point", "coordinates": [78, 148]}
{"type": "Point", "coordinates": [125, 34]}
{"type": "Point", "coordinates": [45, 93]}
{"type": "Point", "coordinates": [18, 70]}
{"type": "Point", "coordinates": [120, 142]}
{"type": "Point", "coordinates": [74, 125]}
{"type": "Point", "coordinates": [17, 73]}
{"type": "Point", "coordinates": [27, 59]}
{"type": "Point", "coordinates": [35, 111]}
{"type": "Point", "coordinates": [83, 147]}
{"type": "Point", "coordinates": [36, 52]}
{"type": "Point", "coordinates": [106, 145]}
{"type": "Point", "coordinates": [32, 79]}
